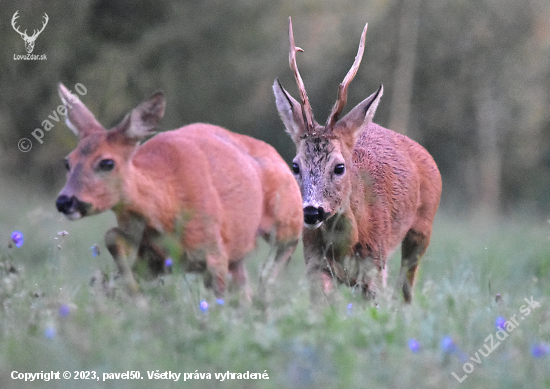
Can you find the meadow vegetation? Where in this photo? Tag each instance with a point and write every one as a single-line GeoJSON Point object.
{"type": "Point", "coordinates": [477, 100]}
{"type": "Point", "coordinates": [62, 309]}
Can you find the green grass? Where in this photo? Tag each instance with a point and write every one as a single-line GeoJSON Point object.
{"type": "Point", "coordinates": [295, 343]}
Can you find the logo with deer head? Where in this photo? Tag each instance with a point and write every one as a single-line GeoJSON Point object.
{"type": "Point", "coordinates": [29, 40]}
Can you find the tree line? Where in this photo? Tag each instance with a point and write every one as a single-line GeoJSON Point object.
{"type": "Point", "coordinates": [468, 79]}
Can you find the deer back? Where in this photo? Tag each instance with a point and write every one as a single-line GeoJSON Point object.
{"type": "Point", "coordinates": [217, 184]}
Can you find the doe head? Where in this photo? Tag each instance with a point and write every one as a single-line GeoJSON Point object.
{"type": "Point", "coordinates": [323, 163]}
{"type": "Point", "coordinates": [96, 169]}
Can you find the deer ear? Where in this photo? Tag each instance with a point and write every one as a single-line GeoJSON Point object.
{"type": "Point", "coordinates": [143, 119]}
{"type": "Point", "coordinates": [79, 118]}
{"type": "Point", "coordinates": [290, 111]}
{"type": "Point", "coordinates": [361, 116]}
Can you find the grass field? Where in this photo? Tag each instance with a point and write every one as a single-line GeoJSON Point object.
{"type": "Point", "coordinates": [53, 319]}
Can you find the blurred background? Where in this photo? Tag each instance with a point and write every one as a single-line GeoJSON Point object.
{"type": "Point", "coordinates": [468, 79]}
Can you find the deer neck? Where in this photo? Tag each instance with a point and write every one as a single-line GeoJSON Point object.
{"type": "Point", "coordinates": [339, 234]}
{"type": "Point", "coordinates": [144, 194]}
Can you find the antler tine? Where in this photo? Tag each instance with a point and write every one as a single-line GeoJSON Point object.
{"type": "Point", "coordinates": [306, 107]}
{"type": "Point", "coordinates": [343, 88]}
{"type": "Point", "coordinates": [44, 23]}
{"type": "Point", "coordinates": [15, 16]}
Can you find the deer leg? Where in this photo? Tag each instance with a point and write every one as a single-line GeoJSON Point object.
{"type": "Point", "coordinates": [321, 279]}
{"type": "Point", "coordinates": [124, 252]}
{"type": "Point", "coordinates": [412, 248]}
{"type": "Point", "coordinates": [238, 273]}
{"type": "Point", "coordinates": [327, 282]}
{"type": "Point", "coordinates": [278, 258]}
{"type": "Point", "coordinates": [123, 244]}
{"type": "Point", "coordinates": [152, 257]}
{"type": "Point", "coordinates": [217, 265]}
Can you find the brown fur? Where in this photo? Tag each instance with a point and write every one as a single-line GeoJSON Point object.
{"type": "Point", "coordinates": [366, 189]}
{"type": "Point", "coordinates": [213, 190]}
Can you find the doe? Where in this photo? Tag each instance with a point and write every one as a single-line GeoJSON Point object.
{"type": "Point", "coordinates": [212, 190]}
{"type": "Point", "coordinates": [365, 189]}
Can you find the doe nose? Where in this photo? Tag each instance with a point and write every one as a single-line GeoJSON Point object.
{"type": "Point", "coordinates": [313, 215]}
{"type": "Point", "coordinates": [66, 204]}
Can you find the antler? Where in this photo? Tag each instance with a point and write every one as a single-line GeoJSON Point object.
{"type": "Point", "coordinates": [343, 88]}
{"type": "Point", "coordinates": [15, 16]}
{"type": "Point", "coordinates": [36, 33]}
{"type": "Point", "coordinates": [306, 107]}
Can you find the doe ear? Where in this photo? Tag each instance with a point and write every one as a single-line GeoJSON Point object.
{"type": "Point", "coordinates": [290, 111]}
{"type": "Point", "coordinates": [143, 119]}
{"type": "Point", "coordinates": [361, 116]}
{"type": "Point", "coordinates": [79, 118]}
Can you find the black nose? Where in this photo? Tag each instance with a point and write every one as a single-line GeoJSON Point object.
{"type": "Point", "coordinates": [65, 204]}
{"type": "Point", "coordinates": [68, 205]}
{"type": "Point", "coordinates": [313, 215]}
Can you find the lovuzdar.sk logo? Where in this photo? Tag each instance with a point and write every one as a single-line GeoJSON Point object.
{"type": "Point", "coordinates": [29, 40]}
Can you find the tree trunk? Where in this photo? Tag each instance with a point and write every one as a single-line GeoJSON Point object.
{"type": "Point", "coordinates": [490, 159]}
{"type": "Point", "coordinates": [406, 64]}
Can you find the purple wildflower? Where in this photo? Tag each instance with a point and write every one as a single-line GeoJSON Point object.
{"type": "Point", "coordinates": [448, 345]}
{"type": "Point", "coordinates": [220, 301]}
{"type": "Point", "coordinates": [64, 310]}
{"type": "Point", "coordinates": [95, 250]}
{"type": "Point", "coordinates": [17, 238]}
{"type": "Point", "coordinates": [414, 346]}
{"type": "Point", "coordinates": [540, 350]}
{"type": "Point", "coordinates": [49, 332]}
{"type": "Point", "coordinates": [168, 262]}
{"type": "Point", "coordinates": [500, 322]}
{"type": "Point", "coordinates": [203, 306]}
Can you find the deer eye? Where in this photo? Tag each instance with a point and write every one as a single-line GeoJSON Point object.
{"type": "Point", "coordinates": [295, 168]}
{"type": "Point", "coordinates": [339, 169]}
{"type": "Point", "coordinates": [67, 166]}
{"type": "Point", "coordinates": [106, 165]}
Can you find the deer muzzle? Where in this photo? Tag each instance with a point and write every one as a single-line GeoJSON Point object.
{"type": "Point", "coordinates": [314, 216]}
{"type": "Point", "coordinates": [72, 207]}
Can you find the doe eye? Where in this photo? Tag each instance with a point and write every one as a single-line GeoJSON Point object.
{"type": "Point", "coordinates": [67, 166]}
{"type": "Point", "coordinates": [295, 168]}
{"type": "Point", "coordinates": [106, 165]}
{"type": "Point", "coordinates": [339, 169]}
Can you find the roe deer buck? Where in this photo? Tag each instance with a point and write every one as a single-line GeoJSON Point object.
{"type": "Point", "coordinates": [212, 190]}
{"type": "Point", "coordinates": [365, 188]}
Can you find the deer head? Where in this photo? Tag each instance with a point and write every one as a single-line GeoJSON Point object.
{"type": "Point", "coordinates": [97, 167]}
{"type": "Point", "coordinates": [323, 163]}
{"type": "Point", "coordinates": [29, 40]}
